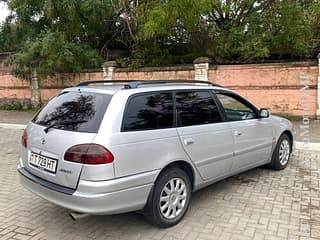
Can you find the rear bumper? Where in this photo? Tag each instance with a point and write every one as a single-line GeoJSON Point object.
{"type": "Point", "coordinates": [102, 197]}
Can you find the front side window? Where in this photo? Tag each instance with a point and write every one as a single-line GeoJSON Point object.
{"type": "Point", "coordinates": [196, 108]}
{"type": "Point", "coordinates": [235, 110]}
{"type": "Point", "coordinates": [149, 111]}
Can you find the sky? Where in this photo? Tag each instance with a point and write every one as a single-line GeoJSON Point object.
{"type": "Point", "coordinates": [4, 12]}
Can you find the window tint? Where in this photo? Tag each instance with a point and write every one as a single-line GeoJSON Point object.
{"type": "Point", "coordinates": [74, 111]}
{"type": "Point", "coordinates": [149, 111]}
{"type": "Point", "coordinates": [234, 109]}
{"type": "Point", "coordinates": [195, 108]}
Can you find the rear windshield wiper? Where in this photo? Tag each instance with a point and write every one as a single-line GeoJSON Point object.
{"type": "Point", "coordinates": [53, 119]}
{"type": "Point", "coordinates": [62, 123]}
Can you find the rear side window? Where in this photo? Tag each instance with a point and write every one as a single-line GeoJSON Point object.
{"type": "Point", "coordinates": [196, 108]}
{"type": "Point", "coordinates": [149, 111]}
{"type": "Point", "coordinates": [74, 111]}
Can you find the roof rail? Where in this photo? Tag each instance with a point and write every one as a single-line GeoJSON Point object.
{"type": "Point", "coordinates": [130, 83]}
{"type": "Point", "coordinates": [137, 83]}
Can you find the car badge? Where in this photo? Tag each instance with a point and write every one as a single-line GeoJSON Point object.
{"type": "Point", "coordinates": [43, 141]}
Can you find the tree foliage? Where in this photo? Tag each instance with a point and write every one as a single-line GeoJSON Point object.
{"type": "Point", "coordinates": [69, 35]}
{"type": "Point", "coordinates": [55, 36]}
{"type": "Point", "coordinates": [243, 30]}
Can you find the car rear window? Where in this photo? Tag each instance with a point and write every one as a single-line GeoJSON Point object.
{"type": "Point", "coordinates": [74, 111]}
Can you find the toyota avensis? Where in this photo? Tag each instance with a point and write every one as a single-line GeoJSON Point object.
{"type": "Point", "coordinates": [108, 147]}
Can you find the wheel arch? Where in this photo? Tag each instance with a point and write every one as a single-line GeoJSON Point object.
{"type": "Point", "coordinates": [183, 165]}
{"type": "Point", "coordinates": [291, 138]}
{"type": "Point", "coordinates": [289, 134]}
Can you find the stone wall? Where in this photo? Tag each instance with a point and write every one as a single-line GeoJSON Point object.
{"type": "Point", "coordinates": [275, 86]}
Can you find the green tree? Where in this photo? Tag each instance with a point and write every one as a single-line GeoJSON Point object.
{"type": "Point", "coordinates": [57, 36]}
{"type": "Point", "coordinates": [50, 53]}
{"type": "Point", "coordinates": [242, 30]}
{"type": "Point", "coordinates": [69, 35]}
{"type": "Point", "coordinates": [313, 15]}
{"type": "Point", "coordinates": [289, 29]}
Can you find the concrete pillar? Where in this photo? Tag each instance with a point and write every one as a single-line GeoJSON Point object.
{"type": "Point", "coordinates": [108, 70]}
{"type": "Point", "coordinates": [35, 91]}
{"type": "Point", "coordinates": [201, 67]}
{"type": "Point", "coordinates": [318, 90]}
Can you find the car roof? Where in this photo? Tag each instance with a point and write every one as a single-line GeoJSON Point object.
{"type": "Point", "coordinates": [143, 86]}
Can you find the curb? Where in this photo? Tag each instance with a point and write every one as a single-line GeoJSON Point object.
{"type": "Point", "coordinates": [307, 146]}
{"type": "Point", "coordinates": [12, 126]}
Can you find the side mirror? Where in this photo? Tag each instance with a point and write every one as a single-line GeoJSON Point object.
{"type": "Point", "coordinates": [263, 113]}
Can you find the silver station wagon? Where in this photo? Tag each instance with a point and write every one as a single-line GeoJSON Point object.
{"type": "Point", "coordinates": [108, 147]}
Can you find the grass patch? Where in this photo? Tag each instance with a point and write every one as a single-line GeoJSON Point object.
{"type": "Point", "coordinates": [17, 106]}
{"type": "Point", "coordinates": [289, 116]}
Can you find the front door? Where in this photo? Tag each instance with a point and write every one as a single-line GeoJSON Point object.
{"type": "Point", "coordinates": [252, 135]}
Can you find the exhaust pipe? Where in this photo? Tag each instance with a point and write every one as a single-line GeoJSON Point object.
{"type": "Point", "coordinates": [76, 215]}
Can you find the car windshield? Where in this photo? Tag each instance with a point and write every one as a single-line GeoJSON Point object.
{"type": "Point", "coordinates": [82, 111]}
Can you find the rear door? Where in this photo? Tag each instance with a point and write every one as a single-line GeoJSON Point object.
{"type": "Point", "coordinates": [148, 139]}
{"type": "Point", "coordinates": [252, 135]}
{"type": "Point", "coordinates": [207, 140]}
{"type": "Point", "coordinates": [69, 119]}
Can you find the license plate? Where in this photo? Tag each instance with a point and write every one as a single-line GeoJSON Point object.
{"type": "Point", "coordinates": [43, 163]}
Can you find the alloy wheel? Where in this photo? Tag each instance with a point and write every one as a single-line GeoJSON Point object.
{"type": "Point", "coordinates": [173, 198]}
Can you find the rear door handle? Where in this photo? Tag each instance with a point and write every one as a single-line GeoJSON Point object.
{"type": "Point", "coordinates": [237, 133]}
{"type": "Point", "coordinates": [188, 141]}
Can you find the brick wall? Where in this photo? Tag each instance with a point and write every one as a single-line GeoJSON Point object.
{"type": "Point", "coordinates": [51, 86]}
{"type": "Point", "coordinates": [275, 86]}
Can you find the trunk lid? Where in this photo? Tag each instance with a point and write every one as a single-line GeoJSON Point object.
{"type": "Point", "coordinates": [53, 145]}
{"type": "Point", "coordinates": [70, 118]}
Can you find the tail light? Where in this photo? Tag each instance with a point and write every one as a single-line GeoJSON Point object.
{"type": "Point", "coordinates": [89, 154]}
{"type": "Point", "coordinates": [24, 139]}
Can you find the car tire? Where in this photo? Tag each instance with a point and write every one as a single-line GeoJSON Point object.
{"type": "Point", "coordinates": [281, 154]}
{"type": "Point", "coordinates": [170, 198]}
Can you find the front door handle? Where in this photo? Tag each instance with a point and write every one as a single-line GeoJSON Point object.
{"type": "Point", "coordinates": [188, 141]}
{"type": "Point", "coordinates": [237, 133]}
